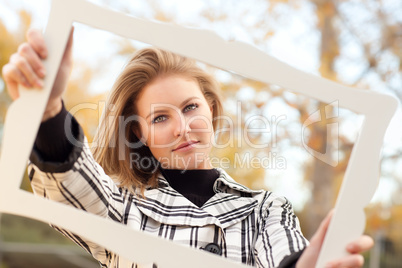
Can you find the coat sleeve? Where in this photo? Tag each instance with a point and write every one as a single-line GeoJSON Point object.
{"type": "Point", "coordinates": [81, 183]}
{"type": "Point", "coordinates": [280, 236]}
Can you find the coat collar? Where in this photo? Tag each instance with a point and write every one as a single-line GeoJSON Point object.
{"type": "Point", "coordinates": [232, 203]}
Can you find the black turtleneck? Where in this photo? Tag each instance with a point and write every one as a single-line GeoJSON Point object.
{"type": "Point", "coordinates": [195, 185]}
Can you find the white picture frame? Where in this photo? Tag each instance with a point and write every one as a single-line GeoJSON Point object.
{"type": "Point", "coordinates": [24, 116]}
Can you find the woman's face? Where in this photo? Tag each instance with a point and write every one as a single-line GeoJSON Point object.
{"type": "Point", "coordinates": [176, 122]}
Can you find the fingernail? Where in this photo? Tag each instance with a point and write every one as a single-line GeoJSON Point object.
{"type": "Point", "coordinates": [43, 54]}
{"type": "Point", "coordinates": [26, 84]}
{"type": "Point", "coordinates": [42, 72]}
{"type": "Point", "coordinates": [351, 247]}
{"type": "Point", "coordinates": [39, 83]}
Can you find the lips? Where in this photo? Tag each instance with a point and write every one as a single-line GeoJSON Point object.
{"type": "Point", "coordinates": [185, 145]}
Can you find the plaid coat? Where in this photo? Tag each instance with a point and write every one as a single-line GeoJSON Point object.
{"type": "Point", "coordinates": [258, 228]}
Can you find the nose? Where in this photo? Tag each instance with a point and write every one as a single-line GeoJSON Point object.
{"type": "Point", "coordinates": [181, 127]}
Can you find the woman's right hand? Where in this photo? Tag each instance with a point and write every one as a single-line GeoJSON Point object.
{"type": "Point", "coordinates": [26, 68]}
{"type": "Point", "coordinates": [355, 249]}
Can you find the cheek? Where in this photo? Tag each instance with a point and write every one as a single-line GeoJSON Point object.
{"type": "Point", "coordinates": [202, 120]}
{"type": "Point", "coordinates": [161, 145]}
{"type": "Point", "coordinates": [201, 125]}
{"type": "Point", "coordinates": [161, 134]}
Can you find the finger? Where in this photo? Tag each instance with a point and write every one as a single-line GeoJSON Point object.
{"type": "Point", "coordinates": [25, 68]}
{"type": "Point", "coordinates": [27, 52]}
{"type": "Point", "coordinates": [36, 40]}
{"type": "Point", "coordinates": [350, 261]}
{"type": "Point", "coordinates": [362, 244]}
{"type": "Point", "coordinates": [11, 77]}
{"type": "Point", "coordinates": [70, 39]}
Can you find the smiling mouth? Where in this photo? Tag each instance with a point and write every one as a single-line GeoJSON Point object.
{"type": "Point", "coordinates": [186, 146]}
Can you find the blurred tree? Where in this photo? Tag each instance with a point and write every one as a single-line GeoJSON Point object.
{"type": "Point", "coordinates": [320, 173]}
{"type": "Point", "coordinates": [85, 106]}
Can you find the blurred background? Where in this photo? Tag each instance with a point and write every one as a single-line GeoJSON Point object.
{"type": "Point", "coordinates": [355, 43]}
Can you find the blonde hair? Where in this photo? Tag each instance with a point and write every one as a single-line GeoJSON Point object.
{"type": "Point", "coordinates": [144, 67]}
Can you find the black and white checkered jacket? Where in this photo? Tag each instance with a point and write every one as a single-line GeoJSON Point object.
{"type": "Point", "coordinates": [253, 227]}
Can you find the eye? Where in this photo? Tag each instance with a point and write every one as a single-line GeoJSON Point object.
{"type": "Point", "coordinates": [190, 107]}
{"type": "Point", "coordinates": [159, 119]}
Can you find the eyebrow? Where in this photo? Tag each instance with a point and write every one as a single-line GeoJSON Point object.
{"type": "Point", "coordinates": [181, 104]}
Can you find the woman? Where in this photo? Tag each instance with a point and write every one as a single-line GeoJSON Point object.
{"type": "Point", "coordinates": [150, 168]}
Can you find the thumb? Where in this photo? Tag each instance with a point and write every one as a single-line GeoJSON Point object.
{"type": "Point", "coordinates": [69, 46]}
{"type": "Point", "coordinates": [310, 255]}
{"type": "Point", "coordinates": [322, 229]}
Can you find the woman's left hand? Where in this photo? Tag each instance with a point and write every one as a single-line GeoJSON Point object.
{"type": "Point", "coordinates": [355, 248]}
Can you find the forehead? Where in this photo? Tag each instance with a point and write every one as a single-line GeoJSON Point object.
{"type": "Point", "coordinates": [170, 89]}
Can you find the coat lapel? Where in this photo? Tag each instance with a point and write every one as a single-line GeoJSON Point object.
{"type": "Point", "coordinates": [165, 205]}
{"type": "Point", "coordinates": [231, 204]}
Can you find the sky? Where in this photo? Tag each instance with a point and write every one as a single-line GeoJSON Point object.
{"type": "Point", "coordinates": [282, 46]}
